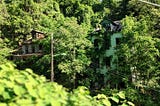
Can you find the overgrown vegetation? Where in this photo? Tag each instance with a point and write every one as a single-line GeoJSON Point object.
{"type": "Point", "coordinates": [82, 33]}
{"type": "Point", "coordinates": [23, 87]}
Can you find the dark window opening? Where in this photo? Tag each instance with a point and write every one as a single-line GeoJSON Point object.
{"type": "Point", "coordinates": [108, 61]}
{"type": "Point", "coordinates": [107, 43]}
{"type": "Point", "coordinates": [40, 47]}
{"type": "Point", "coordinates": [96, 44]}
{"type": "Point", "coordinates": [118, 41]}
{"type": "Point", "coordinates": [33, 49]}
{"type": "Point", "coordinates": [26, 49]}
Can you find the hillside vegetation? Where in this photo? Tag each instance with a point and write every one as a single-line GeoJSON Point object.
{"type": "Point", "coordinates": [82, 34]}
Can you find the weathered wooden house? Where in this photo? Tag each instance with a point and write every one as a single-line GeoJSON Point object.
{"type": "Point", "coordinates": [28, 47]}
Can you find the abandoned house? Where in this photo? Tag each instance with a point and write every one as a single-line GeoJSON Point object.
{"type": "Point", "coordinates": [106, 46]}
{"type": "Point", "coordinates": [28, 47]}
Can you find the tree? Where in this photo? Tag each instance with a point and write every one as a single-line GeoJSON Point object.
{"type": "Point", "coordinates": [28, 15]}
{"type": "Point", "coordinates": [138, 55]}
{"type": "Point", "coordinates": [70, 50]}
{"type": "Point", "coordinates": [3, 12]}
{"type": "Point", "coordinates": [4, 51]}
{"type": "Point", "coordinates": [147, 12]}
{"type": "Point", "coordinates": [70, 39]}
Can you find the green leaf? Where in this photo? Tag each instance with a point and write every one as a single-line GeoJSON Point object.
{"type": "Point", "coordinates": [100, 96]}
{"type": "Point", "coordinates": [55, 103]}
{"type": "Point", "coordinates": [130, 103]}
{"type": "Point", "coordinates": [6, 95]}
{"type": "Point", "coordinates": [33, 93]}
{"type": "Point", "coordinates": [115, 99]}
{"type": "Point", "coordinates": [12, 104]}
{"type": "Point", "coordinates": [124, 104]}
{"type": "Point", "coordinates": [24, 102]}
{"type": "Point", "coordinates": [28, 86]}
{"type": "Point", "coordinates": [106, 102]}
{"type": "Point", "coordinates": [121, 95]}
{"type": "Point", "coordinates": [19, 90]}
{"type": "Point", "coordinates": [1, 88]}
{"type": "Point", "coordinates": [3, 104]}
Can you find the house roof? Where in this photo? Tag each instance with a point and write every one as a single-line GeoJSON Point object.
{"type": "Point", "coordinates": [33, 31]}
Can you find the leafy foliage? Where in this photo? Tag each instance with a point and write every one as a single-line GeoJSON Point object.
{"type": "Point", "coordinates": [26, 88]}
{"type": "Point", "coordinates": [74, 24]}
{"type": "Point", "coordinates": [138, 46]}
{"type": "Point", "coordinates": [4, 51]}
{"type": "Point", "coordinates": [72, 41]}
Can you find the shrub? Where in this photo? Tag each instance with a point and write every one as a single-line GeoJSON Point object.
{"type": "Point", "coordinates": [24, 88]}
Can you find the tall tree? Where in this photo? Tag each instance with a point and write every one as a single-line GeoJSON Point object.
{"type": "Point", "coordinates": [70, 39]}
{"type": "Point", "coordinates": [138, 56]}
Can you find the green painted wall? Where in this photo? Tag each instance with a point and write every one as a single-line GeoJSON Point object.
{"type": "Point", "coordinates": [110, 53]}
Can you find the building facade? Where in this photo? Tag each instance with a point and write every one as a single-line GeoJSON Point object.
{"type": "Point", "coordinates": [105, 42]}
{"type": "Point", "coordinates": [28, 47]}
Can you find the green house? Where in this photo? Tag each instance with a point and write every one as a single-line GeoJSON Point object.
{"type": "Point", "coordinates": [104, 59]}
{"type": "Point", "coordinates": [109, 56]}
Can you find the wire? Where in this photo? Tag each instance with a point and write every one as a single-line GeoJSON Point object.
{"type": "Point", "coordinates": [154, 4]}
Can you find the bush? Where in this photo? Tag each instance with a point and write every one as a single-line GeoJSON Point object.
{"type": "Point", "coordinates": [24, 88]}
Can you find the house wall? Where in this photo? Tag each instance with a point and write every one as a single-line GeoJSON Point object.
{"type": "Point", "coordinates": [109, 57]}
{"type": "Point", "coordinates": [27, 47]}
{"type": "Point", "coordinates": [107, 60]}
{"type": "Point", "coordinates": [36, 47]}
{"type": "Point", "coordinates": [111, 51]}
{"type": "Point", "coordinates": [30, 49]}
{"type": "Point", "coordinates": [23, 49]}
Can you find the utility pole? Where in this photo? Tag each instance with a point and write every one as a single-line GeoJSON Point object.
{"type": "Point", "coordinates": [52, 59]}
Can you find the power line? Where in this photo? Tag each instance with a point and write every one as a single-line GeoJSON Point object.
{"type": "Point", "coordinates": [154, 4]}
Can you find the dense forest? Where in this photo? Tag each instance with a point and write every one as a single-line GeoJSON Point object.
{"type": "Point", "coordinates": [79, 52]}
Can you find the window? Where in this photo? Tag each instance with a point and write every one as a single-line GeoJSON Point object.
{"type": "Point", "coordinates": [96, 44]}
{"type": "Point", "coordinates": [33, 48]}
{"type": "Point", "coordinates": [40, 48]}
{"type": "Point", "coordinates": [108, 61]}
{"type": "Point", "coordinates": [26, 49]}
{"type": "Point", "coordinates": [118, 41]}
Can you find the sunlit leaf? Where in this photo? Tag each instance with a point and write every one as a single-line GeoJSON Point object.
{"type": "Point", "coordinates": [115, 99]}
